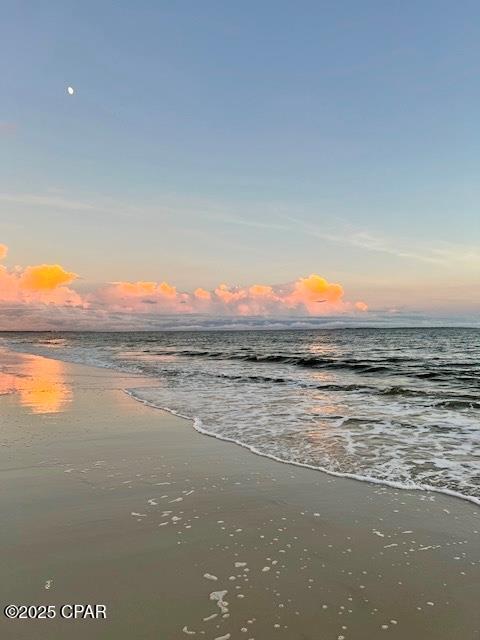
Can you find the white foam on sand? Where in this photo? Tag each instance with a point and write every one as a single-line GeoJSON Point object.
{"type": "Point", "coordinates": [212, 617]}
{"type": "Point", "coordinates": [218, 596]}
{"type": "Point", "coordinates": [188, 632]}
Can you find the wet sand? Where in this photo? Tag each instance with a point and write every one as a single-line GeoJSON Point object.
{"type": "Point", "coordinates": [108, 501]}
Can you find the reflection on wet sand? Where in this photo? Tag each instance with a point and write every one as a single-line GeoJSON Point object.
{"type": "Point", "coordinates": [40, 384]}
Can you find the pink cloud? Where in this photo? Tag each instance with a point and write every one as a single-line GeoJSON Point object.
{"type": "Point", "coordinates": [50, 284]}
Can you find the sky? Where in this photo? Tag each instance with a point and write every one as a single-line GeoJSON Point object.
{"type": "Point", "coordinates": [270, 154]}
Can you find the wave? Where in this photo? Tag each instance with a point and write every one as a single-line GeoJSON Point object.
{"type": "Point", "coordinates": [464, 371]}
{"type": "Point", "coordinates": [464, 402]}
{"type": "Point", "coordinates": [459, 404]}
{"type": "Point", "coordinates": [409, 486]}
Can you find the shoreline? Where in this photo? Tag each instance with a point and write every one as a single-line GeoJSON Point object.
{"type": "Point", "coordinates": [110, 499]}
{"type": "Point", "coordinates": [198, 426]}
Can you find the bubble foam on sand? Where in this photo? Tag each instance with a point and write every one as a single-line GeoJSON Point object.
{"type": "Point", "coordinates": [212, 617]}
{"type": "Point", "coordinates": [188, 631]}
{"type": "Point", "coordinates": [219, 596]}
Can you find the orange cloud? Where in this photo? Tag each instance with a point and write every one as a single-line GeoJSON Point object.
{"type": "Point", "coordinates": [140, 288]}
{"type": "Point", "coordinates": [167, 290]}
{"type": "Point", "coordinates": [46, 277]}
{"type": "Point", "coordinates": [315, 291]}
{"type": "Point", "coordinates": [314, 286]}
{"type": "Point", "coordinates": [260, 290]}
{"type": "Point", "coordinates": [202, 294]}
{"type": "Point", "coordinates": [41, 284]}
{"type": "Point", "coordinates": [3, 251]}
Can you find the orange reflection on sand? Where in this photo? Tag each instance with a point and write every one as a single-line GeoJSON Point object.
{"type": "Point", "coordinates": [40, 385]}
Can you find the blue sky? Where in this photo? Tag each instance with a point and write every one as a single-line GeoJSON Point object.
{"type": "Point", "coordinates": [246, 142]}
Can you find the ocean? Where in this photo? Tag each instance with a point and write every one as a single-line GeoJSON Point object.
{"type": "Point", "coordinates": [399, 407]}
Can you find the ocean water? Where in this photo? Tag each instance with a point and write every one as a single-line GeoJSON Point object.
{"type": "Point", "coordinates": [394, 406]}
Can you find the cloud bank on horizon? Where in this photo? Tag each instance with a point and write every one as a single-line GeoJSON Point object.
{"type": "Point", "coordinates": [41, 297]}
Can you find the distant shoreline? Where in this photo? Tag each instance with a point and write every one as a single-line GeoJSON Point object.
{"type": "Point", "coordinates": [251, 329]}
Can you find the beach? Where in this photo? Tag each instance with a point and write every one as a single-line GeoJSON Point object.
{"type": "Point", "coordinates": [106, 500]}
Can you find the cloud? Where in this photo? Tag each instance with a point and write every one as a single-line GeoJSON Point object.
{"type": "Point", "coordinates": [229, 296]}
{"type": "Point", "coordinates": [44, 292]}
{"type": "Point", "coordinates": [3, 251]}
{"type": "Point", "coordinates": [52, 201]}
{"type": "Point", "coordinates": [202, 294]}
{"type": "Point", "coordinates": [135, 288]}
{"type": "Point", "coordinates": [139, 297]}
{"type": "Point", "coordinates": [260, 290]}
{"type": "Point", "coordinates": [361, 306]}
{"type": "Point", "coordinates": [46, 277]}
{"type": "Point", "coordinates": [314, 291]}
{"type": "Point", "coordinates": [40, 284]}
{"type": "Point", "coordinates": [440, 253]}
{"type": "Point", "coordinates": [312, 295]}
{"type": "Point", "coordinates": [271, 216]}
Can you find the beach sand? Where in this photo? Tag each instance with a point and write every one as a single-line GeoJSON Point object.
{"type": "Point", "coordinates": [105, 500]}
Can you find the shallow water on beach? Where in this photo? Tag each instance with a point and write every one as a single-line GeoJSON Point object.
{"type": "Point", "coordinates": [395, 406]}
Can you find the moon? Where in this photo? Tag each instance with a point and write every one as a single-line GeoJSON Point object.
{"type": "Point", "coordinates": [70, 91]}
